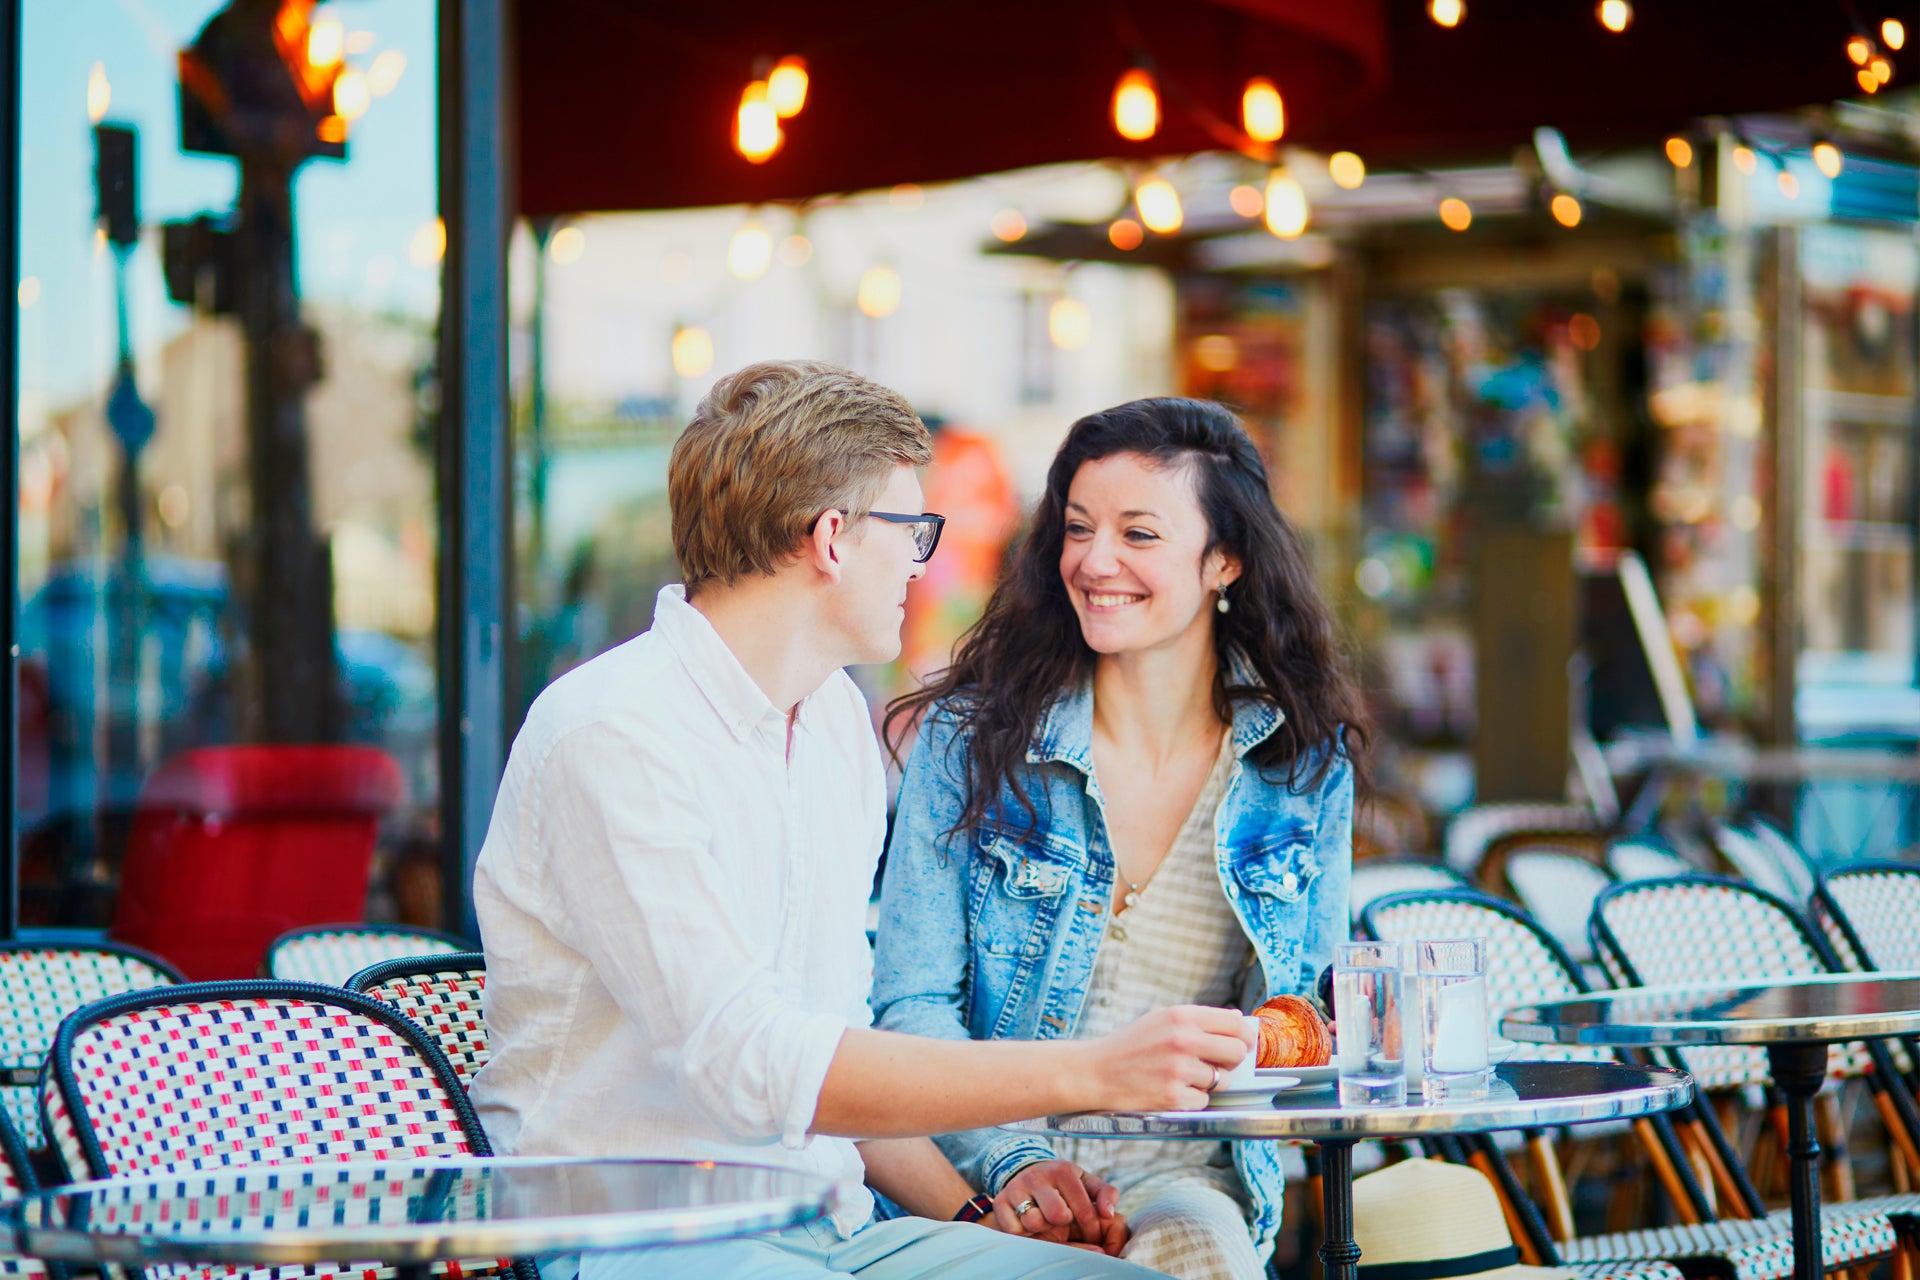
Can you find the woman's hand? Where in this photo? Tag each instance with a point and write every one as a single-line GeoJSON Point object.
{"type": "Point", "coordinates": [1058, 1201]}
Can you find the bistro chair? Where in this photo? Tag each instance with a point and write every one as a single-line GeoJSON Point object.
{"type": "Point", "coordinates": [17, 1180]}
{"type": "Point", "coordinates": [1525, 965]}
{"type": "Point", "coordinates": [1641, 859]}
{"type": "Point", "coordinates": [333, 953]}
{"type": "Point", "coordinates": [233, 846]}
{"type": "Point", "coordinates": [442, 995]}
{"type": "Point", "coordinates": [40, 985]}
{"type": "Point", "coordinates": [1713, 929]}
{"type": "Point", "coordinates": [1474, 832]}
{"type": "Point", "coordinates": [151, 1082]}
{"type": "Point", "coordinates": [1764, 864]}
{"type": "Point", "coordinates": [1870, 912]}
{"type": "Point", "coordinates": [1557, 887]}
{"type": "Point", "coordinates": [1375, 878]}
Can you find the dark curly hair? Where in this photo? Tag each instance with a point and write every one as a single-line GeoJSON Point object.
{"type": "Point", "coordinates": [1027, 648]}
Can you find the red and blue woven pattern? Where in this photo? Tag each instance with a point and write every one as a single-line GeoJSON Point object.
{"type": "Point", "coordinates": [11, 1189]}
{"type": "Point", "coordinates": [334, 955]}
{"type": "Point", "coordinates": [251, 1081]}
{"type": "Point", "coordinates": [41, 985]}
{"type": "Point", "coordinates": [446, 1004]}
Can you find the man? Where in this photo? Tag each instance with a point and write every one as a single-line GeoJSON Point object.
{"type": "Point", "coordinates": [672, 890]}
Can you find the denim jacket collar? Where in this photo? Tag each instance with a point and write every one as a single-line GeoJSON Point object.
{"type": "Point", "coordinates": [1066, 729]}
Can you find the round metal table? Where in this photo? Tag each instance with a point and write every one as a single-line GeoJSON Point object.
{"type": "Point", "coordinates": [1794, 1019]}
{"type": "Point", "coordinates": [410, 1213]}
{"type": "Point", "coordinates": [1525, 1095]}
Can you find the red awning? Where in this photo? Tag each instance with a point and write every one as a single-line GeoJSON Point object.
{"type": "Point", "coordinates": [629, 104]}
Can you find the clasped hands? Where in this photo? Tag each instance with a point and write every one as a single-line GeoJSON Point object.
{"type": "Point", "coordinates": [1068, 1206]}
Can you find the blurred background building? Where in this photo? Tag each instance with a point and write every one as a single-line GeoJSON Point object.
{"type": "Point", "coordinates": [351, 340]}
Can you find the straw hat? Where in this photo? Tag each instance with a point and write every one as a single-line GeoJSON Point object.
{"type": "Point", "coordinates": [1425, 1220]}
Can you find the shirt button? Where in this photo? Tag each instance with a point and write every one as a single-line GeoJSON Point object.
{"type": "Point", "coordinates": [1118, 933]}
{"type": "Point", "coordinates": [1105, 1000]}
{"type": "Point", "coordinates": [1288, 881]}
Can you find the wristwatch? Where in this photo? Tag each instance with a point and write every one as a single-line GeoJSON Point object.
{"type": "Point", "coordinates": [975, 1209]}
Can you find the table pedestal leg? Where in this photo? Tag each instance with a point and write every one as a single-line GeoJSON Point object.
{"type": "Point", "coordinates": [1339, 1255]}
{"type": "Point", "coordinates": [1800, 1070]}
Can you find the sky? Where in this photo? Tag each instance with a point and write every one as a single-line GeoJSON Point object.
{"type": "Point", "coordinates": [357, 219]}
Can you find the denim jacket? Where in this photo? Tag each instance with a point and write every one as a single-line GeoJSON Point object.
{"type": "Point", "coordinates": [992, 933]}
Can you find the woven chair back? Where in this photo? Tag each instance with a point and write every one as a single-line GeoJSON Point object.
{"type": "Point", "coordinates": [1525, 965]}
{"type": "Point", "coordinates": [443, 996]}
{"type": "Point", "coordinates": [1694, 929]}
{"type": "Point", "coordinates": [39, 986]}
{"type": "Point", "coordinates": [333, 953]}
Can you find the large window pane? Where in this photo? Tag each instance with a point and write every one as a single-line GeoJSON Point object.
{"type": "Point", "coordinates": [226, 506]}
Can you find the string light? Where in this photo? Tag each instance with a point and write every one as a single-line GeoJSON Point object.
{"type": "Point", "coordinates": [1008, 225]}
{"type": "Point", "coordinates": [326, 43]}
{"type": "Point", "coordinates": [1069, 324]}
{"type": "Point", "coordinates": [1447, 13]}
{"type": "Point", "coordinates": [787, 87]}
{"type": "Point", "coordinates": [1136, 106]}
{"type": "Point", "coordinates": [1456, 213]}
{"type": "Point", "coordinates": [1869, 83]}
{"type": "Point", "coordinates": [756, 130]}
{"type": "Point", "coordinates": [1262, 114]}
{"type": "Point", "coordinates": [383, 77]}
{"type": "Point", "coordinates": [1744, 160]}
{"type": "Point", "coordinates": [796, 250]}
{"type": "Point", "coordinates": [568, 245]}
{"type": "Point", "coordinates": [1566, 210]}
{"type": "Point", "coordinates": [1287, 211]}
{"type": "Point", "coordinates": [1246, 201]}
{"type": "Point", "coordinates": [1789, 185]}
{"type": "Point", "coordinates": [1614, 15]}
{"type": "Point", "coordinates": [99, 93]}
{"type": "Point", "coordinates": [1347, 170]}
{"type": "Point", "coordinates": [1679, 152]}
{"type": "Point", "coordinates": [1159, 206]}
{"type": "Point", "coordinates": [1827, 159]}
{"type": "Point", "coordinates": [1882, 68]}
{"type": "Point", "coordinates": [1894, 33]}
{"type": "Point", "coordinates": [692, 351]}
{"type": "Point", "coordinates": [1859, 49]}
{"type": "Point", "coordinates": [749, 253]}
{"type": "Point", "coordinates": [1125, 234]}
{"type": "Point", "coordinates": [879, 292]}
{"type": "Point", "coordinates": [352, 95]}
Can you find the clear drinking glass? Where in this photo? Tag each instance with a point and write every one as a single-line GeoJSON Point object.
{"type": "Point", "coordinates": [1452, 977]}
{"type": "Point", "coordinates": [1366, 1002]}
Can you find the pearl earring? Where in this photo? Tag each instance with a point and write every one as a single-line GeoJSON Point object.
{"type": "Point", "coordinates": [1222, 604]}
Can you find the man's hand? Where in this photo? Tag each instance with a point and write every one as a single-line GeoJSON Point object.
{"type": "Point", "coordinates": [1165, 1061]}
{"type": "Point", "coordinates": [1068, 1206]}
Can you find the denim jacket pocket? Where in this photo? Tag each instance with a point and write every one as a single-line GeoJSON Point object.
{"type": "Point", "coordinates": [1281, 868]}
{"type": "Point", "coordinates": [1024, 882]}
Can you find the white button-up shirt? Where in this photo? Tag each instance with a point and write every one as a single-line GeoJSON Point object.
{"type": "Point", "coordinates": [673, 908]}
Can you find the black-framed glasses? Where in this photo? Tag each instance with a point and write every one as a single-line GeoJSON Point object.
{"type": "Point", "coordinates": [926, 529]}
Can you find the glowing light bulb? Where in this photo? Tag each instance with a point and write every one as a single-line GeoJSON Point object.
{"type": "Point", "coordinates": [1125, 234]}
{"type": "Point", "coordinates": [1447, 13]}
{"type": "Point", "coordinates": [1679, 152]}
{"type": "Point", "coordinates": [1744, 160]}
{"type": "Point", "coordinates": [787, 87]}
{"type": "Point", "coordinates": [692, 351]}
{"type": "Point", "coordinates": [384, 75]}
{"type": "Point", "coordinates": [1869, 83]}
{"type": "Point", "coordinates": [1347, 170]}
{"type": "Point", "coordinates": [429, 244]}
{"type": "Point", "coordinates": [99, 93]}
{"type": "Point", "coordinates": [879, 292]}
{"type": "Point", "coordinates": [756, 128]}
{"type": "Point", "coordinates": [1882, 68]}
{"type": "Point", "coordinates": [1789, 185]}
{"type": "Point", "coordinates": [1136, 106]}
{"type": "Point", "coordinates": [1008, 225]}
{"type": "Point", "coordinates": [1286, 205]}
{"type": "Point", "coordinates": [1893, 33]}
{"type": "Point", "coordinates": [1859, 49]}
{"type": "Point", "coordinates": [1246, 201]}
{"type": "Point", "coordinates": [352, 95]}
{"type": "Point", "coordinates": [1456, 213]}
{"type": "Point", "coordinates": [326, 43]}
{"type": "Point", "coordinates": [1159, 206]}
{"type": "Point", "coordinates": [1262, 114]}
{"type": "Point", "coordinates": [1069, 324]}
{"type": "Point", "coordinates": [1827, 159]}
{"type": "Point", "coordinates": [749, 253]}
{"type": "Point", "coordinates": [1566, 210]}
{"type": "Point", "coordinates": [1614, 15]}
{"type": "Point", "coordinates": [796, 250]}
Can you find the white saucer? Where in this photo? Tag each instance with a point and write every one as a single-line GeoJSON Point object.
{"type": "Point", "coordinates": [1498, 1051]}
{"type": "Point", "coordinates": [1257, 1096]}
{"type": "Point", "coordinates": [1309, 1077]}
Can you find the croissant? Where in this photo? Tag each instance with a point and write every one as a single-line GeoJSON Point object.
{"type": "Point", "coordinates": [1292, 1034]}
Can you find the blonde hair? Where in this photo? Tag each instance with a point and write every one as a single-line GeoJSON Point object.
{"type": "Point", "coordinates": [770, 448]}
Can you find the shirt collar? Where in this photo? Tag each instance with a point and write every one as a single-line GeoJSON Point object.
{"type": "Point", "coordinates": [740, 703]}
{"type": "Point", "coordinates": [1066, 727]}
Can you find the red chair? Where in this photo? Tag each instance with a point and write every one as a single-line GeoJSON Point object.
{"type": "Point", "coordinates": [233, 846]}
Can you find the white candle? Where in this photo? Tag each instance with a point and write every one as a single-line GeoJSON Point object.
{"type": "Point", "coordinates": [1460, 1027]}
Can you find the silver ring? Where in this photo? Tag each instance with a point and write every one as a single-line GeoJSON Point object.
{"type": "Point", "coordinates": [1216, 1080]}
{"type": "Point", "coordinates": [1020, 1210]}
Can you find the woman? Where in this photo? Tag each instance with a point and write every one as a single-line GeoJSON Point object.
{"type": "Point", "coordinates": [1132, 788]}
